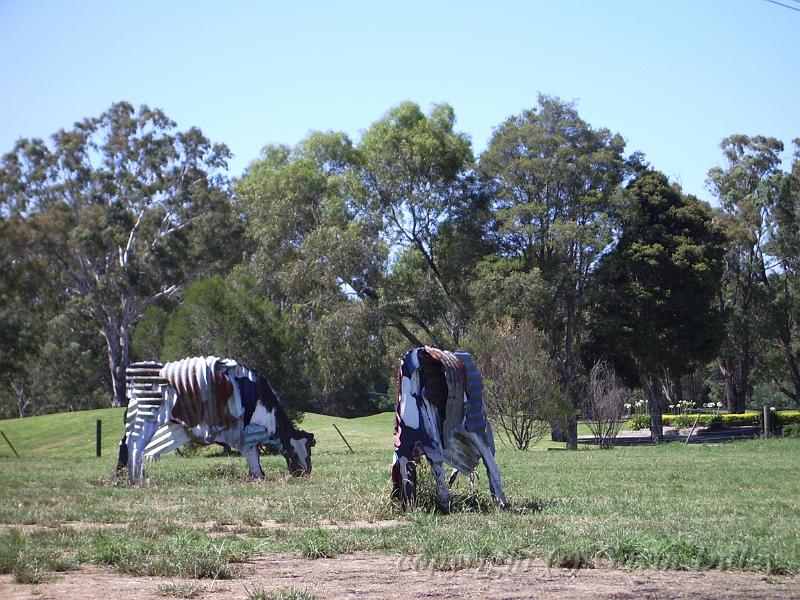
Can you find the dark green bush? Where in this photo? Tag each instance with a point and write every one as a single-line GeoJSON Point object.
{"type": "Point", "coordinates": [792, 430]}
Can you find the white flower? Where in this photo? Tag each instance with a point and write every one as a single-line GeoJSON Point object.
{"type": "Point", "coordinates": [772, 408]}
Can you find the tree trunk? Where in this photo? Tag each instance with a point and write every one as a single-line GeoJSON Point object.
{"type": "Point", "coordinates": [652, 391]}
{"type": "Point", "coordinates": [572, 432]}
{"type": "Point", "coordinates": [792, 366]}
{"type": "Point", "coordinates": [117, 342]}
{"type": "Point", "coordinates": [673, 390]}
{"type": "Point", "coordinates": [730, 393]}
{"type": "Point", "coordinates": [733, 390]}
{"type": "Point", "coordinates": [693, 385]}
{"type": "Point", "coordinates": [558, 432]}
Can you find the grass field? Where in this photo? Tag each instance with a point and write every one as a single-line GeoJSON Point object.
{"type": "Point", "coordinates": [733, 506]}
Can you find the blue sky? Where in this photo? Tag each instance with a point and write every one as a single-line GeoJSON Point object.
{"type": "Point", "coordinates": [673, 77]}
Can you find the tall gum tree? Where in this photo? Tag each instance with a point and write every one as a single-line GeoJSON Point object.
{"type": "Point", "coordinates": [759, 210]}
{"type": "Point", "coordinates": [127, 188]}
{"type": "Point", "coordinates": [785, 246]}
{"type": "Point", "coordinates": [553, 178]}
{"type": "Point", "coordinates": [413, 173]}
{"type": "Point", "coordinates": [320, 258]}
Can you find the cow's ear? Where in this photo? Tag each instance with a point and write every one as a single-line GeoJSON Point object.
{"type": "Point", "coordinates": [311, 441]}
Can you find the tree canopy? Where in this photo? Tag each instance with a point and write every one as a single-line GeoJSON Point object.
{"type": "Point", "coordinates": [654, 313]}
{"type": "Point", "coordinates": [119, 193]}
{"type": "Point", "coordinates": [123, 238]}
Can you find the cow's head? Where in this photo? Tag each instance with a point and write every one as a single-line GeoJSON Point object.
{"type": "Point", "coordinates": [298, 454]}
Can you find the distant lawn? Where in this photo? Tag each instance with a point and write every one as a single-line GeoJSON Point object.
{"type": "Point", "coordinates": [733, 505]}
{"type": "Point", "coordinates": [73, 434]}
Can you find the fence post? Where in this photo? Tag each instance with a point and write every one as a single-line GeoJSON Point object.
{"type": "Point", "coordinates": [767, 428]}
{"type": "Point", "coordinates": [342, 436]}
{"type": "Point", "coordinates": [696, 421]}
{"type": "Point", "coordinates": [9, 443]}
{"type": "Point", "coordinates": [99, 437]}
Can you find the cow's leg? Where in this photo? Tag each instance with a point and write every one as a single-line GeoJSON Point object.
{"type": "Point", "coordinates": [122, 460]}
{"type": "Point", "coordinates": [251, 454]}
{"type": "Point", "coordinates": [404, 479]}
{"type": "Point", "coordinates": [452, 478]}
{"type": "Point", "coordinates": [136, 444]}
{"type": "Point", "coordinates": [440, 474]}
{"type": "Point", "coordinates": [495, 483]}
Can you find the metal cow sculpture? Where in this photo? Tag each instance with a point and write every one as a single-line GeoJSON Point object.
{"type": "Point", "coordinates": [209, 400]}
{"type": "Point", "coordinates": [439, 414]}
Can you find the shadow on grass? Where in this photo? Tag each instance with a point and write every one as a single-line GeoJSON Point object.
{"type": "Point", "coordinates": [527, 506]}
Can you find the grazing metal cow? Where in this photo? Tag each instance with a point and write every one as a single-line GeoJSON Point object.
{"type": "Point", "coordinates": [208, 400]}
{"type": "Point", "coordinates": [439, 413]}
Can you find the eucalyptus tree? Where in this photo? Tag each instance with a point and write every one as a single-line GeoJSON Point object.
{"type": "Point", "coordinates": [554, 178]}
{"type": "Point", "coordinates": [414, 182]}
{"type": "Point", "coordinates": [320, 258]}
{"type": "Point", "coordinates": [28, 299]}
{"type": "Point", "coordinates": [654, 294]}
{"type": "Point", "coordinates": [785, 282]}
{"type": "Point", "coordinates": [125, 188]}
{"type": "Point", "coordinates": [758, 215]}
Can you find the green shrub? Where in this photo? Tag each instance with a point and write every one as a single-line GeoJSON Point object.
{"type": "Point", "coordinates": [792, 430]}
{"type": "Point", "coordinates": [639, 421]}
{"type": "Point", "coordinates": [751, 419]}
{"type": "Point", "coordinates": [682, 421]}
{"type": "Point", "coordinates": [746, 419]}
{"type": "Point", "coordinates": [789, 417]}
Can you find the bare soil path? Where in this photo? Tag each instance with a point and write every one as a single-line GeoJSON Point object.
{"type": "Point", "coordinates": [393, 577]}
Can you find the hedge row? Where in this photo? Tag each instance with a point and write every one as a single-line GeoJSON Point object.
{"type": "Point", "coordinates": [753, 419]}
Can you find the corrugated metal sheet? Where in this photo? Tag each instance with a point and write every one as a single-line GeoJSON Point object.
{"type": "Point", "coordinates": [454, 376]}
{"type": "Point", "coordinates": [200, 398]}
{"type": "Point", "coordinates": [475, 419]}
{"type": "Point", "coordinates": [463, 411]}
{"type": "Point", "coordinates": [462, 454]}
{"type": "Point", "coordinates": [203, 393]}
{"type": "Point", "coordinates": [144, 390]}
{"type": "Point", "coordinates": [168, 437]}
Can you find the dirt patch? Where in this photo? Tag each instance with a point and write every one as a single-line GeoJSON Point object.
{"type": "Point", "coordinates": [29, 529]}
{"type": "Point", "coordinates": [394, 577]}
{"type": "Point", "coordinates": [210, 526]}
{"type": "Point", "coordinates": [273, 525]}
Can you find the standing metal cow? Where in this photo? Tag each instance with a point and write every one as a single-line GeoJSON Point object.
{"type": "Point", "coordinates": [439, 414]}
{"type": "Point", "coordinates": [209, 400]}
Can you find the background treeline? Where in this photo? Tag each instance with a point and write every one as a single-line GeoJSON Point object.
{"type": "Point", "coordinates": [124, 238]}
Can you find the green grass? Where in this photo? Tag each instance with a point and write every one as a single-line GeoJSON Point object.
{"type": "Point", "coordinates": [180, 590]}
{"type": "Point", "coordinates": [73, 434]}
{"type": "Point", "coordinates": [284, 593]}
{"type": "Point", "coordinates": [734, 505]}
